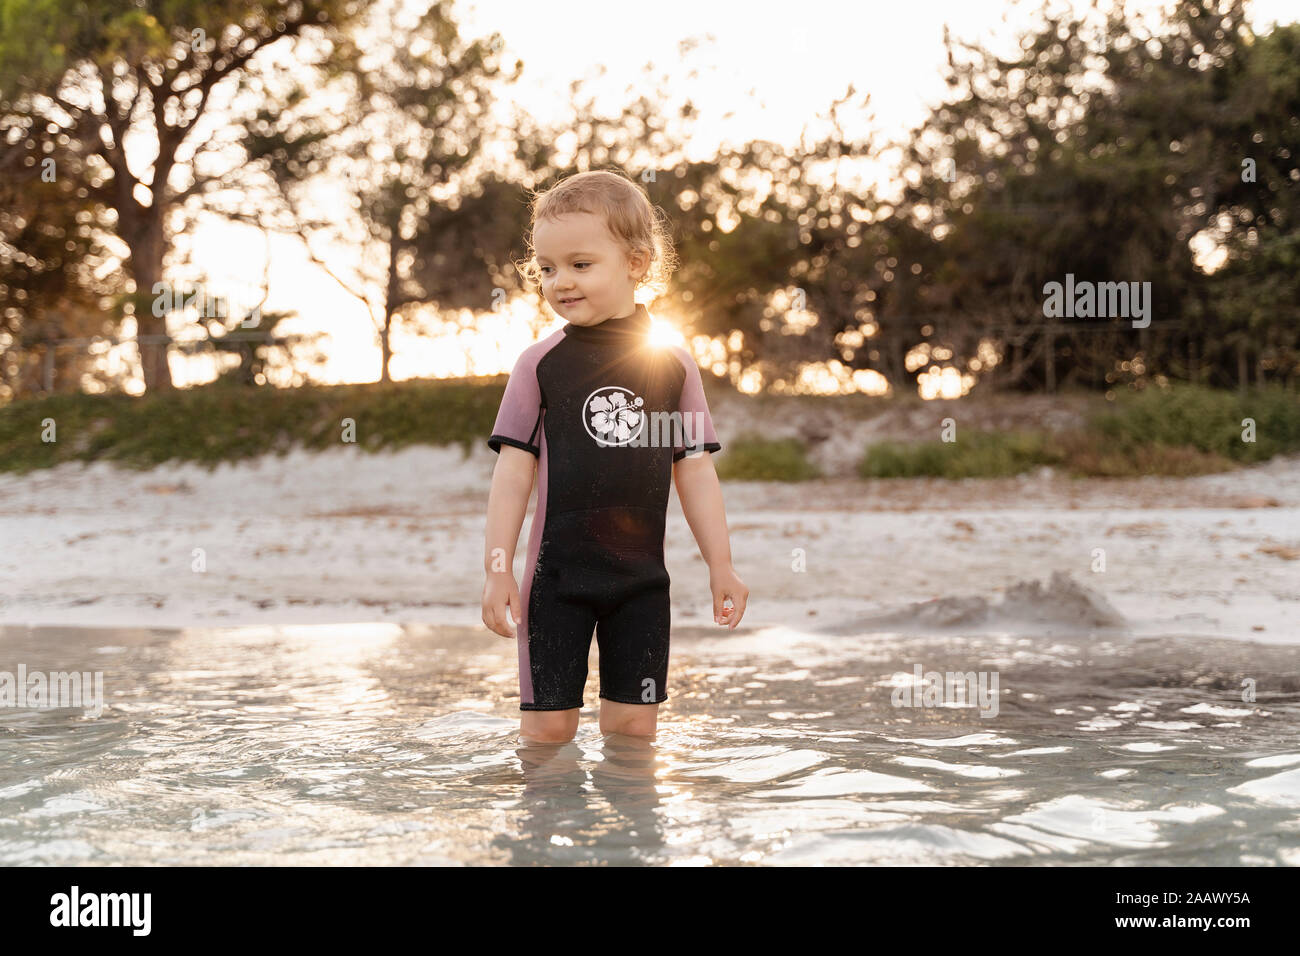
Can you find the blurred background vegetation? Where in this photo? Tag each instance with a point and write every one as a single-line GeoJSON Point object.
{"type": "Point", "coordinates": [1108, 147]}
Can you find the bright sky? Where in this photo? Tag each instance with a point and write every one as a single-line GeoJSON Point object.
{"type": "Point", "coordinates": [773, 68]}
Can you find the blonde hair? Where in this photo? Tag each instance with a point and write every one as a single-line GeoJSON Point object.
{"type": "Point", "coordinates": [634, 222]}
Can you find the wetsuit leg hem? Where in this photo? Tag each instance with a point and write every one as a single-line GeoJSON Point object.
{"type": "Point", "coordinates": [578, 706]}
{"type": "Point", "coordinates": [622, 700]}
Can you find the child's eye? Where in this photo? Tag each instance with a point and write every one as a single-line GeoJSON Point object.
{"type": "Point", "coordinates": [582, 263]}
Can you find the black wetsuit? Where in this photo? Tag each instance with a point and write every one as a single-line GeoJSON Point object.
{"type": "Point", "coordinates": [607, 413]}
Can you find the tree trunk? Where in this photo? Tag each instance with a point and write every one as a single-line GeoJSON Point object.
{"type": "Point", "coordinates": [385, 331]}
{"type": "Point", "coordinates": [146, 245]}
{"type": "Point", "coordinates": [385, 347]}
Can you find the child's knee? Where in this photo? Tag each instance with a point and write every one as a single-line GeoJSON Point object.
{"type": "Point", "coordinates": [549, 726]}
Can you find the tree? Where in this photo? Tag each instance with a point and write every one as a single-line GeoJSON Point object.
{"type": "Point", "coordinates": [1256, 194]}
{"type": "Point", "coordinates": [1101, 150]}
{"type": "Point", "coordinates": [776, 248]}
{"type": "Point", "coordinates": [77, 79]}
{"type": "Point", "coordinates": [405, 143]}
{"type": "Point", "coordinates": [53, 283]}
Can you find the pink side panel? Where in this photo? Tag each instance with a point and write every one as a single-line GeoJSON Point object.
{"type": "Point", "coordinates": [530, 566]}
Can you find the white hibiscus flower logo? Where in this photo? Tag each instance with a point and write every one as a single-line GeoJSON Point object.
{"type": "Point", "coordinates": [613, 415]}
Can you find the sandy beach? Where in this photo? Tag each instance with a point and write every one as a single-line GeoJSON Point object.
{"type": "Point", "coordinates": [344, 536]}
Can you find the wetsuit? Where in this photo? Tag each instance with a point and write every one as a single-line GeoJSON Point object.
{"type": "Point", "coordinates": [607, 413]}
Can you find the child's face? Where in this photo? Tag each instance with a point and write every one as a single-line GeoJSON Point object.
{"type": "Point", "coordinates": [579, 260]}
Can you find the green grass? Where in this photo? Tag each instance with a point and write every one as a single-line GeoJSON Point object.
{"type": "Point", "coordinates": [1179, 430]}
{"type": "Point", "coordinates": [1204, 419]}
{"type": "Point", "coordinates": [219, 422]}
{"type": "Point", "coordinates": [751, 458]}
{"type": "Point", "coordinates": [974, 454]}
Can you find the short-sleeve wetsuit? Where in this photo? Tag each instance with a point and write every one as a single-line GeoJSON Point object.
{"type": "Point", "coordinates": [607, 413]}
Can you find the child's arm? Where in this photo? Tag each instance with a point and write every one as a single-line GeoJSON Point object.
{"type": "Point", "coordinates": [512, 484]}
{"type": "Point", "coordinates": [701, 497]}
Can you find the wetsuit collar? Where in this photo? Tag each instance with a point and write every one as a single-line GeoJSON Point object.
{"type": "Point", "coordinates": [618, 328]}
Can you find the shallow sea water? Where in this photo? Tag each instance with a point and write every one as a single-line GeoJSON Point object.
{"type": "Point", "coordinates": [376, 744]}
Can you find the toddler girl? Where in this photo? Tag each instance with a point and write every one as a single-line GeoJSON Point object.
{"type": "Point", "coordinates": [605, 418]}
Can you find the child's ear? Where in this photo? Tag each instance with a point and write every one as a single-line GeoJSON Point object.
{"type": "Point", "coordinates": [640, 263]}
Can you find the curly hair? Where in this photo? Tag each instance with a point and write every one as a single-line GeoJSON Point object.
{"type": "Point", "coordinates": [633, 221]}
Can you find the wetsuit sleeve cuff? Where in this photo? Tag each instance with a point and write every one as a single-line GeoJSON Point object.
{"type": "Point", "coordinates": [496, 441]}
{"type": "Point", "coordinates": [707, 446]}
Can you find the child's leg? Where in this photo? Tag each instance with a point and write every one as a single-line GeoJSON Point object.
{"type": "Point", "coordinates": [640, 720]}
{"type": "Point", "coordinates": [633, 639]}
{"type": "Point", "coordinates": [549, 726]}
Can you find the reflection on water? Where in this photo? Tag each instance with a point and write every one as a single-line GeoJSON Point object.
{"type": "Point", "coordinates": [366, 744]}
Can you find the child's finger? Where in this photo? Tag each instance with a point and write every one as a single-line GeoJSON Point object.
{"type": "Point", "coordinates": [515, 607]}
{"type": "Point", "coordinates": [737, 613]}
{"type": "Point", "coordinates": [494, 618]}
{"type": "Point", "coordinates": [499, 623]}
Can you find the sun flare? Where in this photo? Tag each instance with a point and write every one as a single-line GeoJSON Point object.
{"type": "Point", "coordinates": [664, 333]}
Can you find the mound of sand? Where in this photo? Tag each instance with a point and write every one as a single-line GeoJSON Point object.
{"type": "Point", "coordinates": [1064, 603]}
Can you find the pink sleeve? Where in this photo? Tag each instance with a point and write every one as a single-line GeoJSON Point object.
{"type": "Point", "coordinates": [697, 424]}
{"type": "Point", "coordinates": [519, 420]}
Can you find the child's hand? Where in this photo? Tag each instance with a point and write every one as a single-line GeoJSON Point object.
{"type": "Point", "coordinates": [500, 592]}
{"type": "Point", "coordinates": [729, 596]}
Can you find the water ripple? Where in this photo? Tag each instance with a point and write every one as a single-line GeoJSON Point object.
{"type": "Point", "coordinates": [380, 745]}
